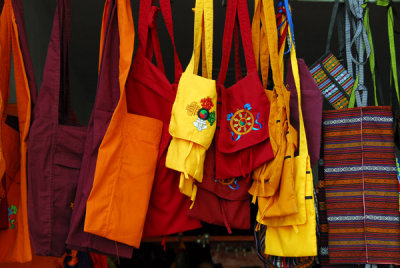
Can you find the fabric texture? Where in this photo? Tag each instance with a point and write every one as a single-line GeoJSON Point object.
{"type": "Point", "coordinates": [361, 186]}
{"type": "Point", "coordinates": [150, 94]}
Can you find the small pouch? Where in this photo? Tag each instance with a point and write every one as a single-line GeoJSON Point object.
{"type": "Point", "coordinates": [334, 81]}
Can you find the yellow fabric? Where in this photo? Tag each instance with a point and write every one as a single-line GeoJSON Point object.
{"type": "Point", "coordinates": [260, 43]}
{"type": "Point", "coordinates": [194, 113]}
{"type": "Point", "coordinates": [273, 182]}
{"type": "Point", "coordinates": [295, 235]}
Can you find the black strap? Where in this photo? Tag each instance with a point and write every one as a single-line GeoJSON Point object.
{"type": "Point", "coordinates": [332, 25]}
{"type": "Point", "coordinates": [340, 32]}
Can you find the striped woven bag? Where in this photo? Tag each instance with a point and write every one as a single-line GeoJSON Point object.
{"type": "Point", "coordinates": [334, 81]}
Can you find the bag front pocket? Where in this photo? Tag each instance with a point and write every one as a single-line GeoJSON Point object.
{"type": "Point", "coordinates": [123, 181]}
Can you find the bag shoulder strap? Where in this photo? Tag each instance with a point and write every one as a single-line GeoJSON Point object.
{"type": "Point", "coordinates": [147, 14]}
{"type": "Point", "coordinates": [239, 8]}
{"type": "Point", "coordinates": [203, 38]}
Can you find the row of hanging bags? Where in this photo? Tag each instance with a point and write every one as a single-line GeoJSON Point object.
{"type": "Point", "coordinates": [126, 160]}
{"type": "Point", "coordinates": [194, 113]}
{"type": "Point", "coordinates": [15, 123]}
{"type": "Point", "coordinates": [116, 55]}
{"type": "Point", "coordinates": [359, 155]}
{"type": "Point", "coordinates": [226, 201]}
{"type": "Point", "coordinates": [149, 93]}
{"type": "Point", "coordinates": [273, 182]}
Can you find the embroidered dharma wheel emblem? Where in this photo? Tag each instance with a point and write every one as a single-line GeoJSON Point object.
{"type": "Point", "coordinates": [242, 122]}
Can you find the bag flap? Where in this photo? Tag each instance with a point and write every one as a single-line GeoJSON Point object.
{"type": "Point", "coordinates": [244, 115]}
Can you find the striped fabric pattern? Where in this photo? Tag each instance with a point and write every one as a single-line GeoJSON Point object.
{"type": "Point", "coordinates": [323, 253]}
{"type": "Point", "coordinates": [362, 201]}
{"type": "Point", "coordinates": [327, 86]}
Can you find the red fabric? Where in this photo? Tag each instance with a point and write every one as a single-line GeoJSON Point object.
{"type": "Point", "coordinates": [221, 203]}
{"type": "Point", "coordinates": [98, 260]}
{"type": "Point", "coordinates": [149, 93]}
{"type": "Point", "coordinates": [242, 138]}
{"type": "Point", "coordinates": [3, 206]}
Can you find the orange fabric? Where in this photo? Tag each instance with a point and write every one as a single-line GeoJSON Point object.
{"type": "Point", "coordinates": [126, 163]}
{"type": "Point", "coordinates": [273, 184]}
{"type": "Point", "coordinates": [15, 243]}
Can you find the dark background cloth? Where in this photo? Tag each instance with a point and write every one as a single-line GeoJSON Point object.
{"type": "Point", "coordinates": [311, 21]}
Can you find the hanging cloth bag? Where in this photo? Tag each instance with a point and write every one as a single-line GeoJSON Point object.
{"type": "Point", "coordinates": [149, 93]}
{"type": "Point", "coordinates": [273, 182]}
{"type": "Point", "coordinates": [242, 141]}
{"type": "Point", "coordinates": [114, 68]}
{"type": "Point", "coordinates": [14, 128]}
{"type": "Point", "coordinates": [193, 116]}
{"type": "Point", "coordinates": [126, 159]}
{"type": "Point", "coordinates": [334, 81]}
{"type": "Point", "coordinates": [299, 228]}
{"type": "Point", "coordinates": [55, 147]}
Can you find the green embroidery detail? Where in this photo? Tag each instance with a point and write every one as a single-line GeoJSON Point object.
{"type": "Point", "coordinates": [211, 118]}
{"type": "Point", "coordinates": [12, 210]}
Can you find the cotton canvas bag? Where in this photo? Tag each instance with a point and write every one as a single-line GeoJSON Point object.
{"type": "Point", "coordinates": [242, 141]}
{"type": "Point", "coordinates": [126, 159]}
{"type": "Point", "coordinates": [194, 112]}
{"type": "Point", "coordinates": [14, 128]}
{"type": "Point", "coordinates": [299, 228]}
{"type": "Point", "coordinates": [273, 182]}
{"type": "Point", "coordinates": [55, 147]}
{"type": "Point", "coordinates": [150, 94]}
{"type": "Point", "coordinates": [112, 76]}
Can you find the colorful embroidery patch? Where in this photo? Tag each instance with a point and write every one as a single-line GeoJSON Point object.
{"type": "Point", "coordinates": [203, 112]}
{"type": "Point", "coordinates": [12, 210]}
{"type": "Point", "coordinates": [242, 122]}
{"type": "Point", "coordinates": [231, 183]}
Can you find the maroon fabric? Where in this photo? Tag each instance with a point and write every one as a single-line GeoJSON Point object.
{"type": "Point", "coordinates": [243, 137]}
{"type": "Point", "coordinates": [311, 104]}
{"type": "Point", "coordinates": [149, 93]}
{"type": "Point", "coordinates": [55, 149]}
{"type": "Point", "coordinates": [221, 204]}
{"type": "Point", "coordinates": [108, 92]}
{"type": "Point", "coordinates": [20, 21]}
